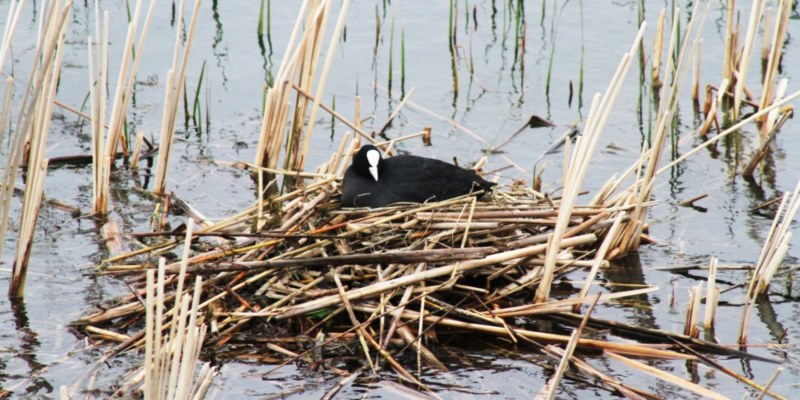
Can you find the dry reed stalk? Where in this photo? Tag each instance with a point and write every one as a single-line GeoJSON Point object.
{"type": "Point", "coordinates": [118, 104]}
{"type": "Point", "coordinates": [448, 270]}
{"type": "Point", "coordinates": [396, 111]}
{"type": "Point", "coordinates": [553, 382]}
{"type": "Point", "coordinates": [176, 78]}
{"type": "Point", "coordinates": [712, 295]}
{"type": "Point", "coordinates": [775, 53]}
{"type": "Point", "coordinates": [772, 116]}
{"type": "Point", "coordinates": [98, 82]}
{"type": "Point", "coordinates": [273, 132]}
{"type": "Point", "coordinates": [137, 150]}
{"type": "Point", "coordinates": [671, 65]}
{"type": "Point", "coordinates": [169, 366]}
{"type": "Point", "coordinates": [698, 52]}
{"type": "Point", "coordinates": [599, 258]}
{"type": "Point", "coordinates": [711, 112]}
{"type": "Point", "coordinates": [765, 38]}
{"type": "Point", "coordinates": [362, 334]}
{"type": "Point", "coordinates": [625, 389]}
{"type": "Point", "coordinates": [107, 138]}
{"type": "Point", "coordinates": [106, 334]}
{"type": "Point", "coordinates": [658, 42]}
{"type": "Point", "coordinates": [729, 53]}
{"type": "Point", "coordinates": [665, 376]}
{"type": "Point", "coordinates": [5, 111]}
{"type": "Point", "coordinates": [771, 380]}
{"type": "Point", "coordinates": [37, 127]}
{"type": "Point", "coordinates": [744, 61]}
{"type": "Point", "coordinates": [15, 8]}
{"type": "Point", "coordinates": [30, 213]}
{"type": "Point", "coordinates": [581, 157]}
{"type": "Point", "coordinates": [637, 350]}
{"type": "Point", "coordinates": [764, 147]}
{"type": "Point", "coordinates": [775, 249]}
{"type": "Point", "coordinates": [557, 306]}
{"type": "Point", "coordinates": [692, 310]}
{"type": "Point", "coordinates": [336, 159]}
{"type": "Point", "coordinates": [171, 95]}
{"type": "Point", "coordinates": [388, 144]}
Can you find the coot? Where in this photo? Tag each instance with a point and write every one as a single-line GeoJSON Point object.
{"type": "Point", "coordinates": [372, 181]}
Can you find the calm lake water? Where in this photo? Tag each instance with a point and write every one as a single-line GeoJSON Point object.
{"type": "Point", "coordinates": [40, 352]}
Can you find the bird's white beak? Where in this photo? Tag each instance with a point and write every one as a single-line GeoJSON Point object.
{"type": "Point", "coordinates": [373, 157]}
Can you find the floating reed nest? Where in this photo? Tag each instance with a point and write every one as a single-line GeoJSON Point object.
{"type": "Point", "coordinates": [326, 282]}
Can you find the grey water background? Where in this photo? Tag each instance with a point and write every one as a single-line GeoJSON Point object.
{"type": "Point", "coordinates": [40, 352]}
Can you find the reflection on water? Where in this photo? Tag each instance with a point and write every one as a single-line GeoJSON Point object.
{"type": "Point", "coordinates": [628, 271]}
{"type": "Point", "coordinates": [28, 342]}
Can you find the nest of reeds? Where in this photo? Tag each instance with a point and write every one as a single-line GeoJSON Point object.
{"type": "Point", "coordinates": [322, 284]}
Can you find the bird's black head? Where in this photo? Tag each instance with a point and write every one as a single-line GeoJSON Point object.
{"type": "Point", "coordinates": [367, 161]}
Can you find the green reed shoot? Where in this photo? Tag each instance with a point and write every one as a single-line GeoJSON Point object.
{"type": "Point", "coordinates": [553, 33]}
{"type": "Point", "coordinates": [580, 69]}
{"type": "Point", "coordinates": [265, 18]}
{"type": "Point", "coordinates": [391, 56]}
{"type": "Point", "coordinates": [403, 63]}
{"type": "Point", "coordinates": [333, 119]}
{"type": "Point", "coordinates": [261, 22]}
{"type": "Point", "coordinates": [197, 115]}
{"type": "Point", "coordinates": [517, 23]}
{"type": "Point", "coordinates": [450, 30]}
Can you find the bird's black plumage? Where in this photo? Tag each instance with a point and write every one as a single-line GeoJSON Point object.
{"type": "Point", "coordinates": [372, 181]}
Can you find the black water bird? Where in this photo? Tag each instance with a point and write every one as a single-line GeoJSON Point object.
{"type": "Point", "coordinates": [373, 181]}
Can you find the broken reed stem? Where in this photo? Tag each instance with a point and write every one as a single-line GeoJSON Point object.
{"type": "Point", "coordinates": [167, 134]}
{"type": "Point", "coordinates": [692, 310]}
{"type": "Point", "coordinates": [730, 45]}
{"type": "Point", "coordinates": [30, 213]}
{"type": "Point", "coordinates": [696, 76]}
{"type": "Point", "coordinates": [658, 43]}
{"type": "Point", "coordinates": [744, 58]}
{"type": "Point", "coordinates": [764, 148]}
{"type": "Point", "coordinates": [772, 254]}
{"type": "Point", "coordinates": [712, 295]}
{"type": "Point", "coordinates": [773, 115]}
{"type": "Point", "coordinates": [98, 82]}
{"type": "Point", "coordinates": [137, 149]}
{"type": "Point", "coordinates": [172, 95]}
{"type": "Point", "coordinates": [776, 51]}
